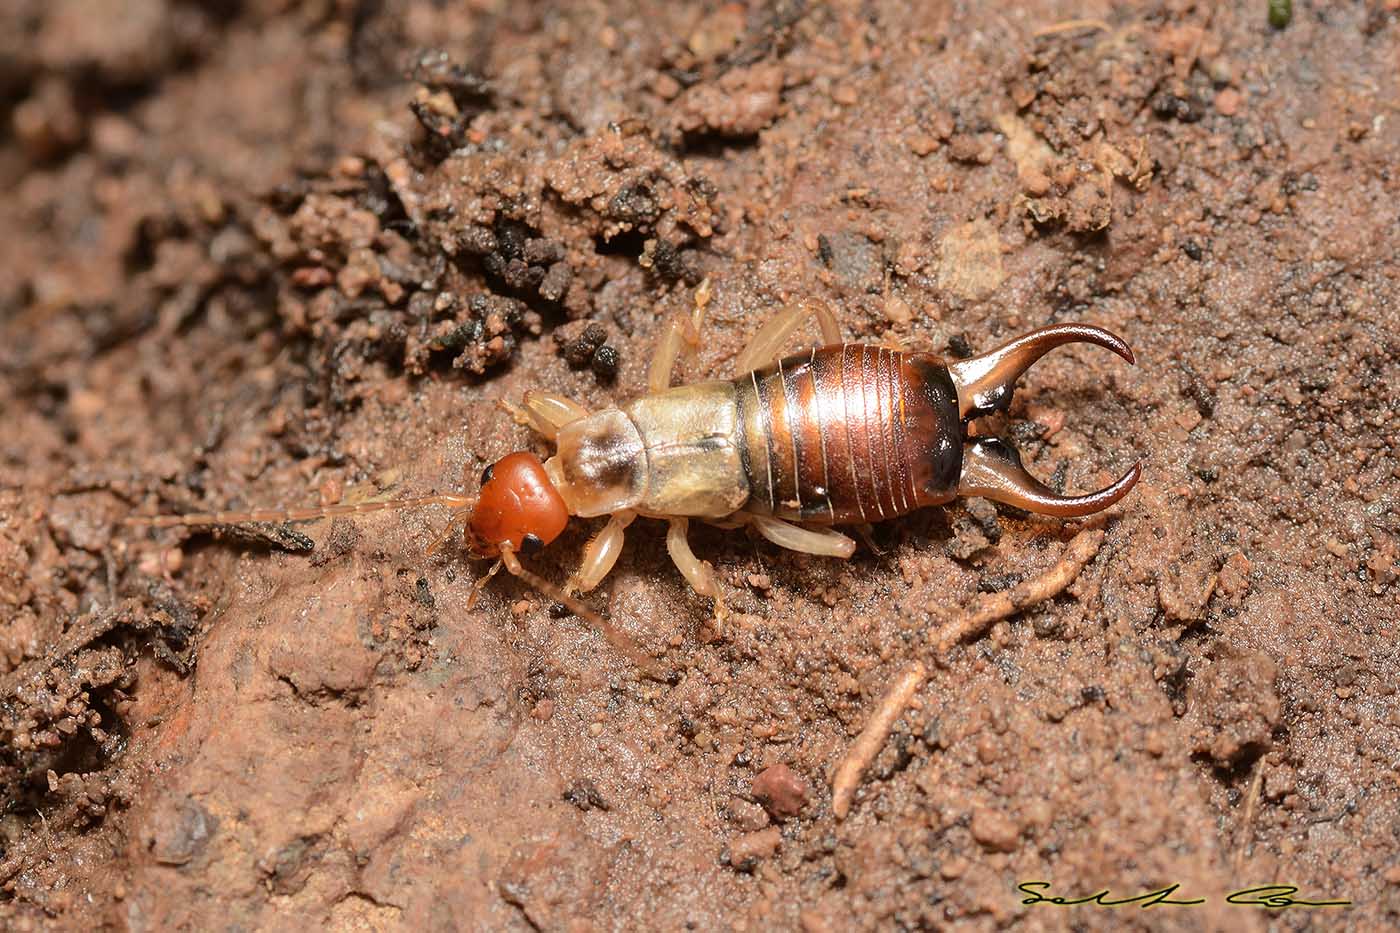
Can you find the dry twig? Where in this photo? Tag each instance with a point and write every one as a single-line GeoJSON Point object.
{"type": "Point", "coordinates": [872, 738]}
{"type": "Point", "coordinates": [997, 606]}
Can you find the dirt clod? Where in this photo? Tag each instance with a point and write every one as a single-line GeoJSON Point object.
{"type": "Point", "coordinates": [1235, 706]}
{"type": "Point", "coordinates": [180, 831]}
{"type": "Point", "coordinates": [995, 830]}
{"type": "Point", "coordinates": [781, 790]}
{"type": "Point", "coordinates": [749, 849]}
{"type": "Point", "coordinates": [742, 102]}
{"type": "Point", "coordinates": [579, 351]}
{"type": "Point", "coordinates": [970, 264]}
{"type": "Point", "coordinates": [585, 795]}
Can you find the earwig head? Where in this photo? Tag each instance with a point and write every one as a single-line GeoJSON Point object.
{"type": "Point", "coordinates": [992, 467]}
{"type": "Point", "coordinates": [517, 506]}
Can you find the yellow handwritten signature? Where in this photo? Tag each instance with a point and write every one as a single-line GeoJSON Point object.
{"type": "Point", "coordinates": [1270, 897]}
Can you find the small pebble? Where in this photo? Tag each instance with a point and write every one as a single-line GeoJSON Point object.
{"type": "Point", "coordinates": [898, 312]}
{"type": "Point", "coordinates": [953, 869]}
{"type": "Point", "coordinates": [665, 86]}
{"type": "Point", "coordinates": [995, 830]}
{"type": "Point", "coordinates": [749, 817]}
{"type": "Point", "coordinates": [1188, 419]}
{"type": "Point", "coordinates": [1035, 182]}
{"type": "Point", "coordinates": [921, 144]}
{"type": "Point", "coordinates": [1051, 419]}
{"type": "Point", "coordinates": [781, 790]}
{"type": "Point", "coordinates": [1227, 102]}
{"type": "Point", "coordinates": [751, 847]}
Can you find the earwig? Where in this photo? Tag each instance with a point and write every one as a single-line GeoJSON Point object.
{"type": "Point", "coordinates": [843, 434]}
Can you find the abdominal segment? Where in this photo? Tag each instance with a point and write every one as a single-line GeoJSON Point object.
{"type": "Point", "coordinates": [690, 438]}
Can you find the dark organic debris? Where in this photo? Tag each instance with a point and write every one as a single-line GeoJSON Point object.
{"type": "Point", "coordinates": [584, 794]}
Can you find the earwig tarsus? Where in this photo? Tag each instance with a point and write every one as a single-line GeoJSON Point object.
{"type": "Point", "coordinates": [843, 434]}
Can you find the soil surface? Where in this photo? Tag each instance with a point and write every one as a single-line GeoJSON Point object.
{"type": "Point", "coordinates": [262, 253]}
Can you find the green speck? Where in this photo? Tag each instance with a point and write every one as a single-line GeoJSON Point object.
{"type": "Point", "coordinates": [1280, 13]}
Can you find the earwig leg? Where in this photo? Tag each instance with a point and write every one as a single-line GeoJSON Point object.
{"type": "Point", "coordinates": [767, 345]}
{"type": "Point", "coordinates": [698, 573]}
{"type": "Point", "coordinates": [824, 543]}
{"type": "Point", "coordinates": [601, 554]}
{"type": "Point", "coordinates": [679, 333]}
{"type": "Point", "coordinates": [480, 585]}
{"type": "Point", "coordinates": [517, 414]}
{"type": "Point", "coordinates": [668, 350]}
{"type": "Point", "coordinates": [546, 413]}
{"type": "Point", "coordinates": [867, 534]}
{"type": "Point", "coordinates": [992, 469]}
{"type": "Point", "coordinates": [619, 639]}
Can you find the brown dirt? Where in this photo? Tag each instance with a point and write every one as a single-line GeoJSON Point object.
{"type": "Point", "coordinates": [267, 253]}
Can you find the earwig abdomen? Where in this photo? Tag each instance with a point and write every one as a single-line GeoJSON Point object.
{"type": "Point", "coordinates": [849, 433]}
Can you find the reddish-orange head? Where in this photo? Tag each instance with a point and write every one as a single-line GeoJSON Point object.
{"type": "Point", "coordinates": [517, 506]}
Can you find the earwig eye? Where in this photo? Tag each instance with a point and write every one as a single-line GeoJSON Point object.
{"type": "Point", "coordinates": [487, 473]}
{"type": "Point", "coordinates": [531, 544]}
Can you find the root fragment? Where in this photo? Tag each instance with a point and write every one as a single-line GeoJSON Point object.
{"type": "Point", "coordinates": [1071, 25]}
{"type": "Point", "coordinates": [1244, 843]}
{"type": "Point", "coordinates": [997, 606]}
{"type": "Point", "coordinates": [872, 738]}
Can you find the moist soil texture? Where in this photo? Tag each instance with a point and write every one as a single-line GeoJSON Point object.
{"type": "Point", "coordinates": [260, 253]}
